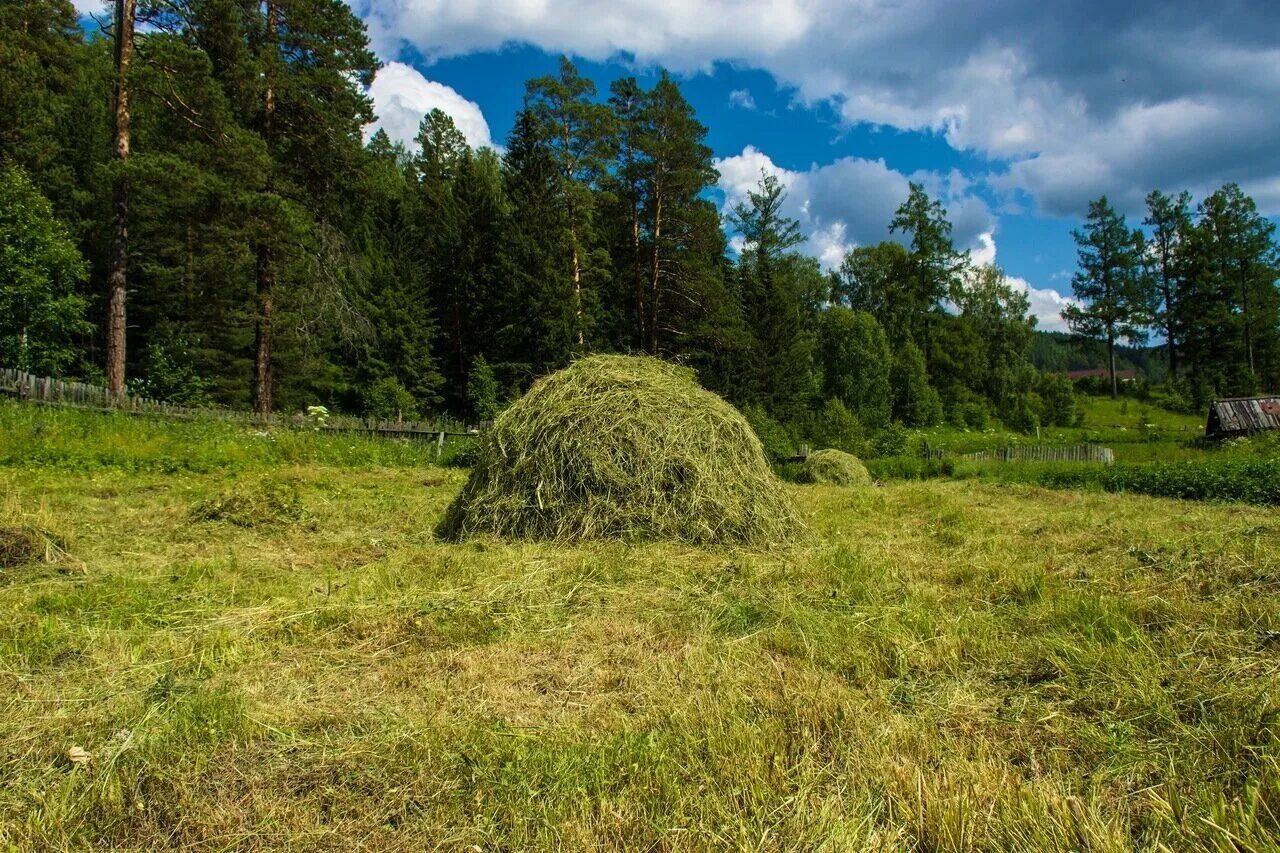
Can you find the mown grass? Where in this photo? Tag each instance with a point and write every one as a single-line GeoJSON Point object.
{"type": "Point", "coordinates": [946, 666]}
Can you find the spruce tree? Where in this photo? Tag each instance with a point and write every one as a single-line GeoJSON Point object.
{"type": "Point", "coordinates": [1116, 297]}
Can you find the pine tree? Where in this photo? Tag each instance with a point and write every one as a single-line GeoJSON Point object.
{"type": "Point", "coordinates": [676, 170]}
{"type": "Point", "coordinates": [576, 133]}
{"type": "Point", "coordinates": [771, 306]}
{"type": "Point", "coordinates": [1117, 298]}
{"type": "Point", "coordinates": [1169, 219]}
{"type": "Point", "coordinates": [543, 330]}
{"type": "Point", "coordinates": [310, 115]}
{"type": "Point", "coordinates": [934, 267]}
{"type": "Point", "coordinates": [1236, 267]}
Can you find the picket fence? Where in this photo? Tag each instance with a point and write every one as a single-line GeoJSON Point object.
{"type": "Point", "coordinates": [48, 391]}
{"type": "Point", "coordinates": [1046, 453]}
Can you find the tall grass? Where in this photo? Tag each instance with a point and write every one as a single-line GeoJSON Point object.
{"type": "Point", "coordinates": [85, 440]}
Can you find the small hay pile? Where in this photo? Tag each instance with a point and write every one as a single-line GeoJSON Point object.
{"type": "Point", "coordinates": [24, 546]}
{"type": "Point", "coordinates": [623, 447]}
{"type": "Point", "coordinates": [835, 468]}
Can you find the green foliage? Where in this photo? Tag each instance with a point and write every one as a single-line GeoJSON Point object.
{"type": "Point", "coordinates": [1245, 480]}
{"type": "Point", "coordinates": [171, 375]}
{"type": "Point", "coordinates": [915, 402]}
{"type": "Point", "coordinates": [856, 363]}
{"type": "Point", "coordinates": [482, 391]}
{"type": "Point", "coordinates": [890, 441]}
{"type": "Point", "coordinates": [1058, 400]}
{"type": "Point", "coordinates": [386, 398]}
{"type": "Point", "coordinates": [836, 427]}
{"type": "Point", "coordinates": [777, 442]}
{"type": "Point", "coordinates": [41, 312]}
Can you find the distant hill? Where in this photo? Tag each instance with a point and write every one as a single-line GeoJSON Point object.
{"type": "Point", "coordinates": [1058, 352]}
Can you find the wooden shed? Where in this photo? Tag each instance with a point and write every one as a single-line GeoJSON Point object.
{"type": "Point", "coordinates": [1241, 416]}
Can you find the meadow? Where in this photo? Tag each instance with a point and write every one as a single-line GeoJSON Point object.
{"type": "Point", "coordinates": [225, 639]}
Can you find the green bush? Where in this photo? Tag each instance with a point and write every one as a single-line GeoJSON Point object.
{"type": "Point", "coordinates": [482, 391]}
{"type": "Point", "coordinates": [837, 427]}
{"type": "Point", "coordinates": [388, 399]}
{"type": "Point", "coordinates": [890, 441]}
{"type": "Point", "coordinates": [774, 437]}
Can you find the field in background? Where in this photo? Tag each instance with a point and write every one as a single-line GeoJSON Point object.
{"type": "Point", "coordinates": [258, 643]}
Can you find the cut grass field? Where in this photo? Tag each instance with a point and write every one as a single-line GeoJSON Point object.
{"type": "Point", "coordinates": [269, 650]}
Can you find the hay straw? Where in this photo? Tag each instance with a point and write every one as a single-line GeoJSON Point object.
{"type": "Point", "coordinates": [623, 447]}
{"type": "Point", "coordinates": [836, 468]}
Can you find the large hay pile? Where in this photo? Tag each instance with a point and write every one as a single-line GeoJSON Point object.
{"type": "Point", "coordinates": [834, 467]}
{"type": "Point", "coordinates": [623, 447]}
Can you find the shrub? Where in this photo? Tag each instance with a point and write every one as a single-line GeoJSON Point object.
{"type": "Point", "coordinates": [777, 442]}
{"type": "Point", "coordinates": [1057, 400]}
{"type": "Point", "coordinates": [623, 447]}
{"type": "Point", "coordinates": [910, 468]}
{"type": "Point", "coordinates": [890, 441]}
{"type": "Point", "coordinates": [482, 390]}
{"type": "Point", "coordinates": [837, 427]}
{"type": "Point", "coordinates": [388, 399]}
{"type": "Point", "coordinates": [41, 309]}
{"type": "Point", "coordinates": [464, 456]}
{"type": "Point", "coordinates": [834, 467]}
{"type": "Point", "coordinates": [171, 375]}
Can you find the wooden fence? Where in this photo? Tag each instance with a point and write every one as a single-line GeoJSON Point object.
{"type": "Point", "coordinates": [55, 392]}
{"type": "Point", "coordinates": [1045, 453]}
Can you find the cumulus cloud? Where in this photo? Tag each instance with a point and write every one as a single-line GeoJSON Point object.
{"type": "Point", "coordinates": [851, 201]}
{"type": "Point", "coordinates": [1046, 303]}
{"type": "Point", "coordinates": [402, 96]}
{"type": "Point", "coordinates": [1070, 99]}
{"type": "Point", "coordinates": [742, 98]}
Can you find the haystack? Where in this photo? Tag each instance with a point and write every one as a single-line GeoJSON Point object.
{"type": "Point", "coordinates": [835, 468]}
{"type": "Point", "coordinates": [623, 447]}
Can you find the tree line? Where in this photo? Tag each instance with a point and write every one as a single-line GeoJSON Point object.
{"type": "Point", "coordinates": [1202, 279]}
{"type": "Point", "coordinates": [190, 210]}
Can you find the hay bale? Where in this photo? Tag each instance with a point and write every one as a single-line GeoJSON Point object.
{"type": "Point", "coordinates": [623, 447]}
{"type": "Point", "coordinates": [835, 468]}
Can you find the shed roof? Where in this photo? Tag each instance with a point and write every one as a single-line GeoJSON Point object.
{"type": "Point", "coordinates": [1243, 414]}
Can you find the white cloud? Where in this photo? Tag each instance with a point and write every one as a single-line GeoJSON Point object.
{"type": "Point", "coordinates": [1046, 303]}
{"type": "Point", "coordinates": [742, 98]}
{"type": "Point", "coordinates": [1070, 99]}
{"type": "Point", "coordinates": [851, 201]}
{"type": "Point", "coordinates": [402, 96]}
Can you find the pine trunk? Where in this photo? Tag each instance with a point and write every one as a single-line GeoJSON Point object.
{"type": "Point", "coordinates": [266, 315]}
{"type": "Point", "coordinates": [262, 378]}
{"type": "Point", "coordinates": [655, 281]}
{"type": "Point", "coordinates": [116, 276]}
{"type": "Point", "coordinates": [1111, 363]}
